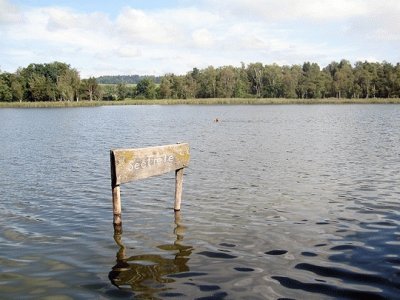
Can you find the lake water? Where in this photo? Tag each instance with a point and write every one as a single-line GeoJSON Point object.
{"type": "Point", "coordinates": [279, 202]}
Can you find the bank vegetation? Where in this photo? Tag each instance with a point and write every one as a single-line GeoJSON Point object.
{"type": "Point", "coordinates": [339, 82]}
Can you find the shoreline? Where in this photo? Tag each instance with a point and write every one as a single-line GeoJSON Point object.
{"type": "Point", "coordinates": [202, 101]}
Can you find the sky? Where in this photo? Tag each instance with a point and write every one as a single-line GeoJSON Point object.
{"type": "Point", "coordinates": [122, 37]}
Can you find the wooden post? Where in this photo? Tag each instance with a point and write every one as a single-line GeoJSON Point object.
{"type": "Point", "coordinates": [116, 196]}
{"type": "Point", "coordinates": [178, 189]}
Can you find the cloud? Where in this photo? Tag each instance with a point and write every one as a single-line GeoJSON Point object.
{"type": "Point", "coordinates": [8, 12]}
{"type": "Point", "coordinates": [203, 38]}
{"type": "Point", "coordinates": [137, 26]}
{"type": "Point", "coordinates": [128, 51]}
{"type": "Point", "coordinates": [381, 24]}
{"type": "Point", "coordinates": [189, 17]}
{"type": "Point", "coordinates": [216, 32]}
{"type": "Point", "coordinates": [290, 10]}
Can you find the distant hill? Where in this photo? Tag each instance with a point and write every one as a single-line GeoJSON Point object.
{"type": "Point", "coordinates": [128, 79]}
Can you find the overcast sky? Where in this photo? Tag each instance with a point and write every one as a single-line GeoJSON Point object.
{"type": "Point", "coordinates": [157, 37]}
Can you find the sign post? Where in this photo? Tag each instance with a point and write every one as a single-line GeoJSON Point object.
{"type": "Point", "coordinates": [133, 164]}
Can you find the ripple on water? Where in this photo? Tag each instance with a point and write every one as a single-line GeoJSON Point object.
{"type": "Point", "coordinates": [187, 274]}
{"type": "Point", "coordinates": [393, 260]}
{"type": "Point", "coordinates": [309, 254]}
{"type": "Point", "coordinates": [363, 278]}
{"type": "Point", "coordinates": [243, 269]}
{"type": "Point", "coordinates": [227, 245]}
{"type": "Point", "coordinates": [344, 247]}
{"type": "Point", "coordinates": [208, 288]}
{"type": "Point", "coordinates": [326, 289]}
{"type": "Point", "coordinates": [276, 252]}
{"type": "Point", "coordinates": [213, 254]}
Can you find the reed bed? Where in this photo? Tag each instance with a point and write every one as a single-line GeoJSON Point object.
{"type": "Point", "coordinates": [207, 101]}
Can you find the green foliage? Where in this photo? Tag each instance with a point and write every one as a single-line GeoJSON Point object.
{"type": "Point", "coordinates": [43, 82]}
{"type": "Point", "coordinates": [11, 87]}
{"type": "Point", "coordinates": [307, 81]}
{"type": "Point", "coordinates": [90, 90]}
{"type": "Point", "coordinates": [255, 73]}
{"type": "Point", "coordinates": [39, 88]}
{"type": "Point", "coordinates": [5, 90]}
{"type": "Point", "coordinates": [57, 81]}
{"type": "Point", "coordinates": [146, 88]}
{"type": "Point", "coordinates": [68, 84]}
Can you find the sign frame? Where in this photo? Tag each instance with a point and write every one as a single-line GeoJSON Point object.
{"type": "Point", "coordinates": [134, 164]}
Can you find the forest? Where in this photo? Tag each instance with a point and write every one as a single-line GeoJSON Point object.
{"type": "Point", "coordinates": [57, 81]}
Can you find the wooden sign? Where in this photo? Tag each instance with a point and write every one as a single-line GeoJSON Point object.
{"type": "Point", "coordinates": [133, 164]}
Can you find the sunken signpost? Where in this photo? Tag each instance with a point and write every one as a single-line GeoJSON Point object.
{"type": "Point", "coordinates": [132, 164]}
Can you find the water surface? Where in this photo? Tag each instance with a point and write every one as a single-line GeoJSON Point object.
{"type": "Point", "coordinates": [296, 202]}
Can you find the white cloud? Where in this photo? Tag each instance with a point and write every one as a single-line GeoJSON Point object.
{"type": "Point", "coordinates": [381, 24]}
{"type": "Point", "coordinates": [8, 12]}
{"type": "Point", "coordinates": [62, 28]}
{"type": "Point", "coordinates": [213, 32]}
{"type": "Point", "coordinates": [291, 10]}
{"type": "Point", "coordinates": [128, 51]}
{"type": "Point", "coordinates": [189, 18]}
{"type": "Point", "coordinates": [203, 38]}
{"type": "Point", "coordinates": [137, 26]}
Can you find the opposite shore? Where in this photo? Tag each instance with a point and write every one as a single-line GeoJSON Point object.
{"type": "Point", "coordinates": [206, 101]}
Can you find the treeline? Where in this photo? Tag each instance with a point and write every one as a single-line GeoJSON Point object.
{"type": "Point", "coordinates": [307, 81]}
{"type": "Point", "coordinates": [47, 82]}
{"type": "Point", "coordinates": [59, 82]}
{"type": "Point", "coordinates": [126, 79]}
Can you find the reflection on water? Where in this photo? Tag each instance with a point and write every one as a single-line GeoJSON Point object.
{"type": "Point", "coordinates": [147, 273]}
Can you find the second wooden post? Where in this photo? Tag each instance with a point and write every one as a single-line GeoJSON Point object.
{"type": "Point", "coordinates": [178, 189]}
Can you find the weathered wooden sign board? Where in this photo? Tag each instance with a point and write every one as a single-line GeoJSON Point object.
{"type": "Point", "coordinates": [132, 164]}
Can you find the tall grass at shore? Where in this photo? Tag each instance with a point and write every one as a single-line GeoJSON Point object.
{"type": "Point", "coordinates": [207, 101]}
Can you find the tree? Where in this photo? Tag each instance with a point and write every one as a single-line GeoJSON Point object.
{"type": "Point", "coordinates": [190, 86]}
{"type": "Point", "coordinates": [48, 82]}
{"type": "Point", "coordinates": [40, 89]}
{"type": "Point", "coordinates": [255, 75]}
{"type": "Point", "coordinates": [90, 89]}
{"type": "Point", "coordinates": [11, 87]}
{"type": "Point", "coordinates": [311, 81]}
{"type": "Point", "coordinates": [122, 91]}
{"type": "Point", "coordinates": [290, 79]}
{"type": "Point", "coordinates": [272, 81]}
{"type": "Point", "coordinates": [242, 85]}
{"type": "Point", "coordinates": [226, 82]}
{"type": "Point", "coordinates": [386, 80]}
{"type": "Point", "coordinates": [325, 84]}
{"type": "Point", "coordinates": [343, 79]}
{"type": "Point", "coordinates": [178, 87]}
{"type": "Point", "coordinates": [108, 92]}
{"type": "Point", "coordinates": [362, 80]}
{"type": "Point", "coordinates": [5, 90]}
{"type": "Point", "coordinates": [17, 87]}
{"type": "Point", "coordinates": [146, 88]}
{"type": "Point", "coordinates": [68, 85]}
{"type": "Point", "coordinates": [397, 80]}
{"type": "Point", "coordinates": [207, 80]}
{"type": "Point", "coordinates": [166, 86]}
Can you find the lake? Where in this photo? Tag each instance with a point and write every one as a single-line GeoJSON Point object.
{"type": "Point", "coordinates": [279, 202]}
